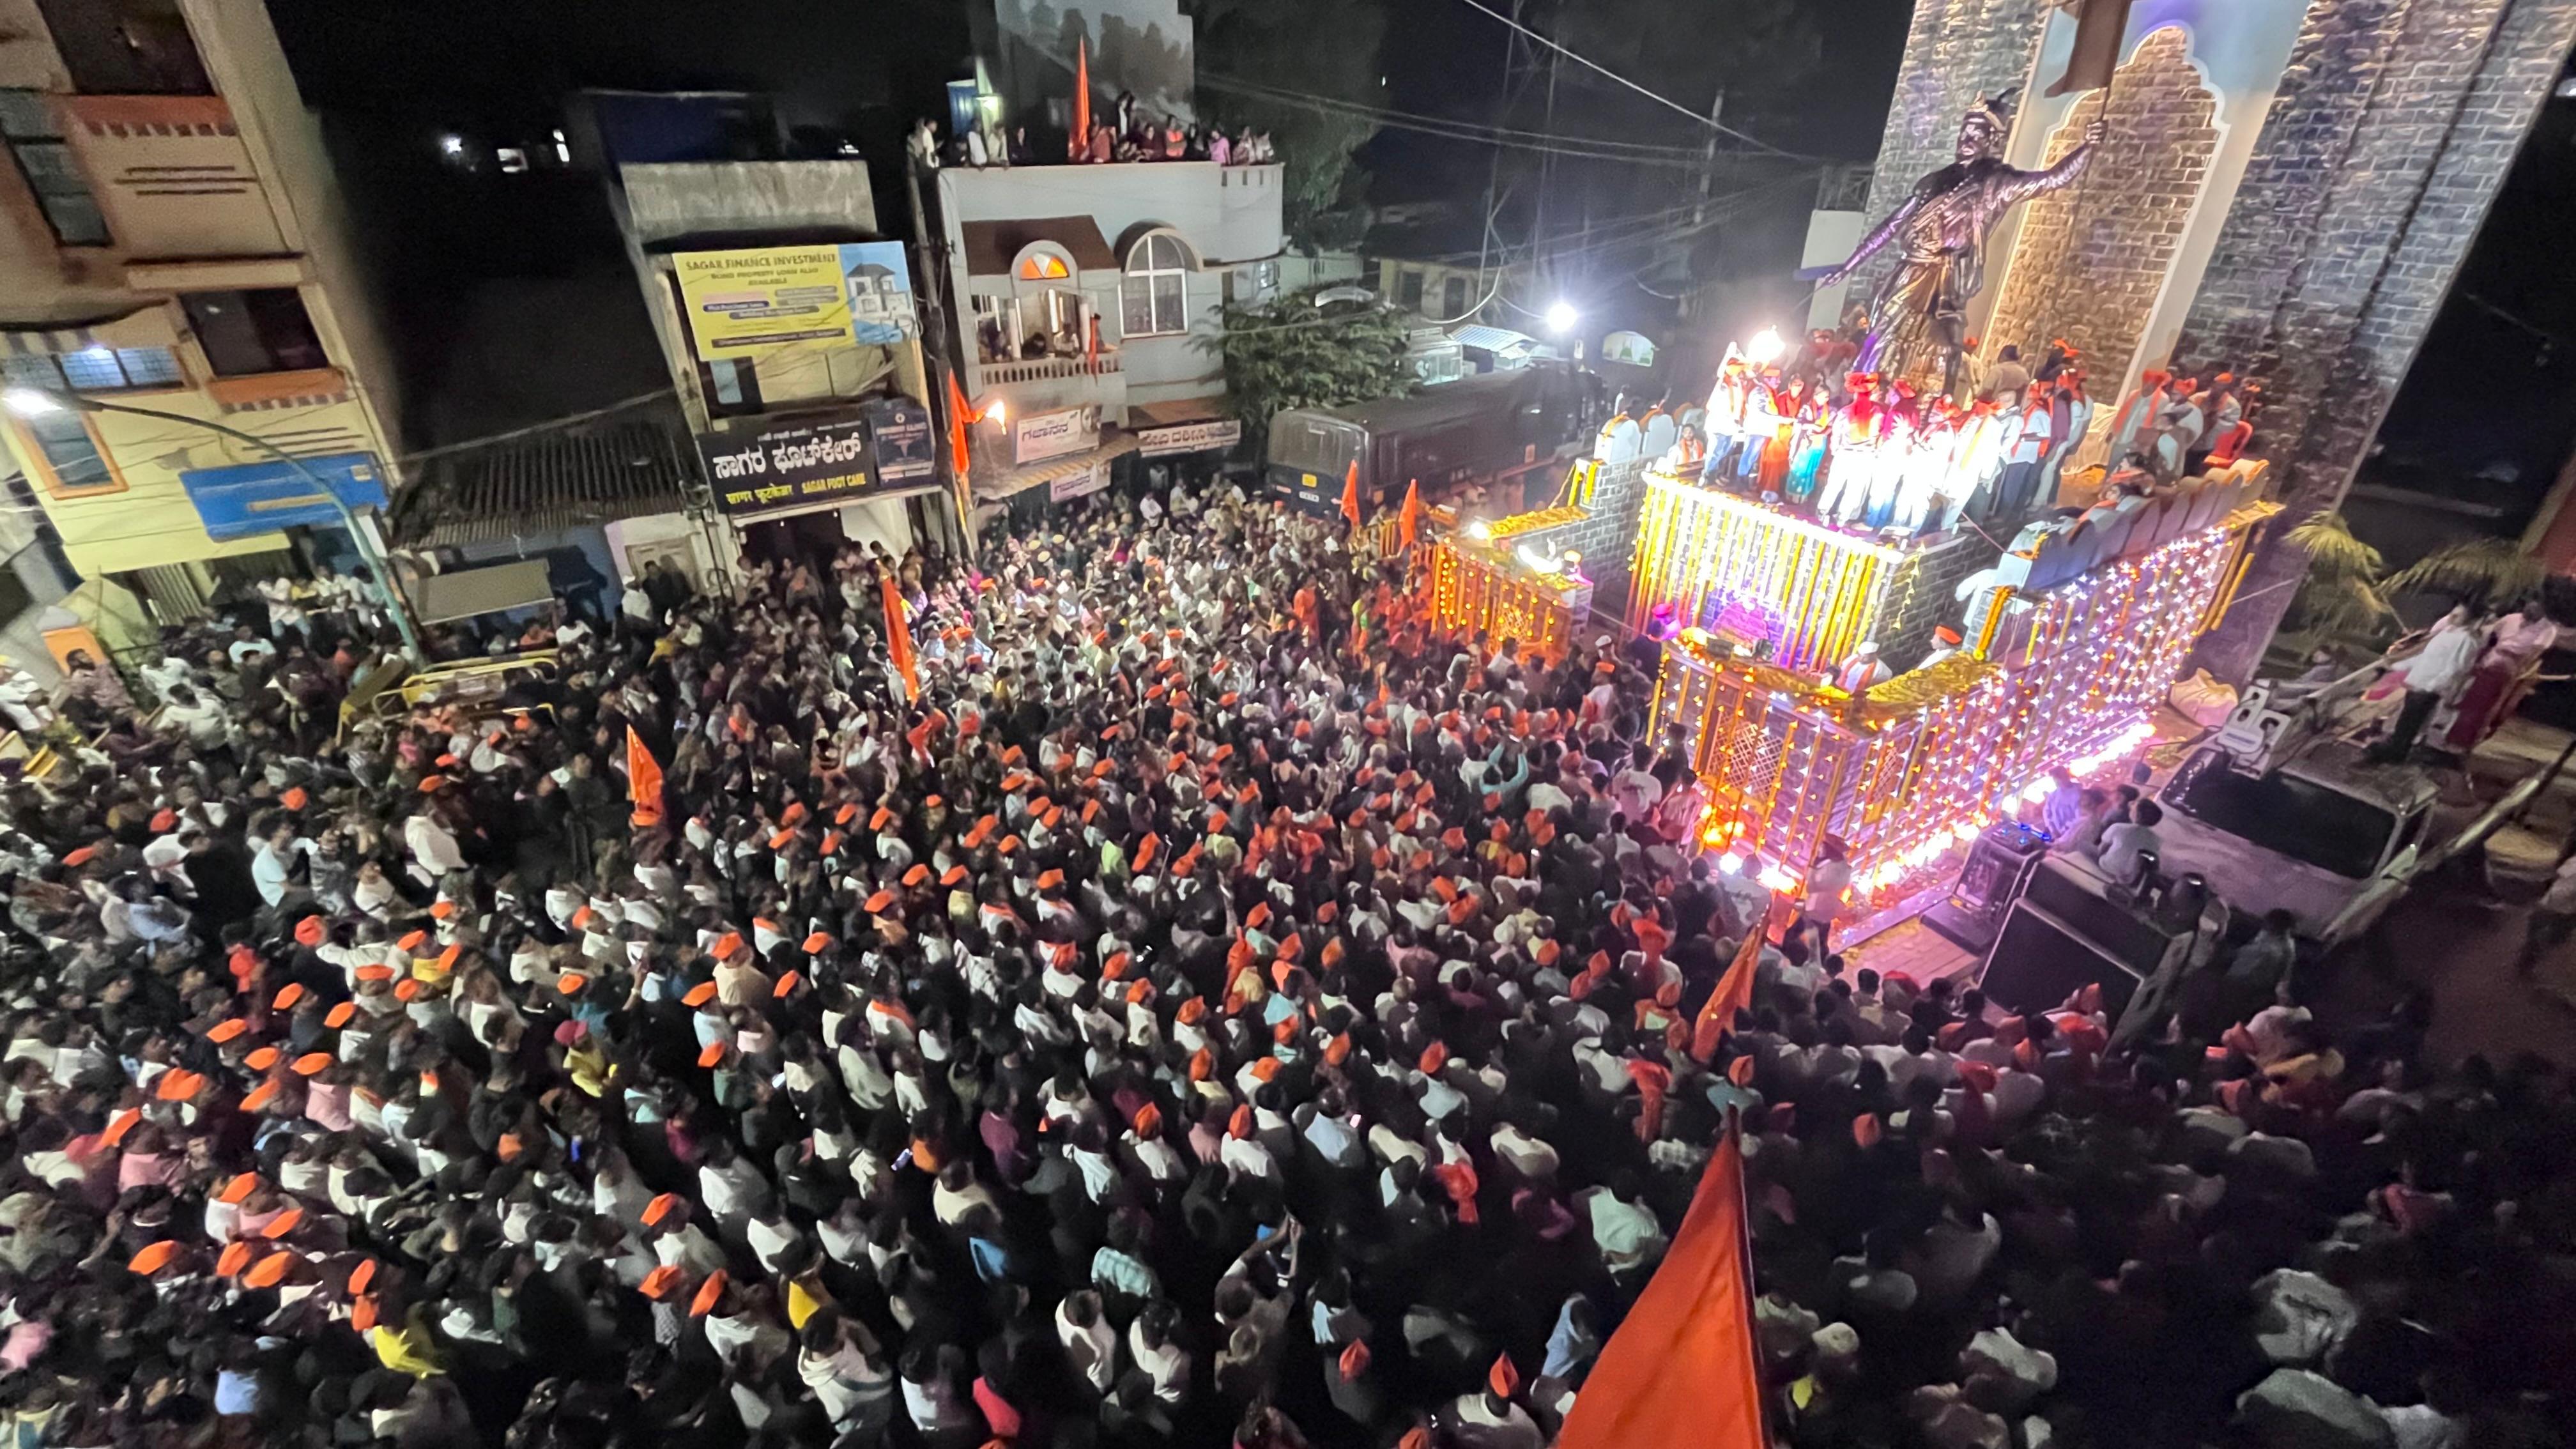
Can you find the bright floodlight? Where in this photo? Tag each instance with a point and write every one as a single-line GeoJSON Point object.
{"type": "Point", "coordinates": [1765, 347]}
{"type": "Point", "coordinates": [1561, 317]}
{"type": "Point", "coordinates": [993, 411]}
{"type": "Point", "coordinates": [29, 402]}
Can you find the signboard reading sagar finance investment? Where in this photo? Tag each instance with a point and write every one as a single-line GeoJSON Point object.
{"type": "Point", "coordinates": [788, 464]}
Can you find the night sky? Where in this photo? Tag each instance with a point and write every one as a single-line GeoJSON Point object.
{"type": "Point", "coordinates": [2482, 425]}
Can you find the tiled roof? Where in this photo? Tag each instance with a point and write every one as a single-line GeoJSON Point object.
{"type": "Point", "coordinates": [548, 482]}
{"type": "Point", "coordinates": [991, 246]}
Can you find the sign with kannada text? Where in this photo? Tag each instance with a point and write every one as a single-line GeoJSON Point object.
{"type": "Point", "coordinates": [1189, 437]}
{"type": "Point", "coordinates": [1040, 436]}
{"type": "Point", "coordinates": [786, 465]}
{"type": "Point", "coordinates": [1074, 485]}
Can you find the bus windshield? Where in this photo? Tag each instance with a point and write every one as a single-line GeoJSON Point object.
{"type": "Point", "coordinates": [2284, 814]}
{"type": "Point", "coordinates": [1312, 444]}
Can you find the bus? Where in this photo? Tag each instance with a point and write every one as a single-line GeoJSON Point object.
{"type": "Point", "coordinates": [1475, 442]}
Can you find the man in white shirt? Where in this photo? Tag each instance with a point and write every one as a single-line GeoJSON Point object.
{"type": "Point", "coordinates": [2125, 843]}
{"type": "Point", "coordinates": [272, 863]}
{"type": "Point", "coordinates": [2434, 674]}
{"type": "Point", "coordinates": [433, 850]}
{"type": "Point", "coordinates": [247, 646]}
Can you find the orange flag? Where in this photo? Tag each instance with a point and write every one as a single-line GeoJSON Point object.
{"type": "Point", "coordinates": [899, 639]}
{"type": "Point", "coordinates": [1734, 993]}
{"type": "Point", "coordinates": [1080, 141]}
{"type": "Point", "coordinates": [1693, 1325]}
{"type": "Point", "coordinates": [1351, 494]}
{"type": "Point", "coordinates": [957, 411]}
{"type": "Point", "coordinates": [1409, 523]}
{"type": "Point", "coordinates": [643, 781]}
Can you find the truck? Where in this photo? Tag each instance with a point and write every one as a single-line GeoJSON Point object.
{"type": "Point", "coordinates": [1476, 441]}
{"type": "Point", "coordinates": [2276, 812]}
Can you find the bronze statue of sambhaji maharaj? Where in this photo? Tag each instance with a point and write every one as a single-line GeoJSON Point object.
{"type": "Point", "coordinates": [1917, 318]}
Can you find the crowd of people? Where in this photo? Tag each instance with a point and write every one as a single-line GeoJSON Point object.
{"type": "Point", "coordinates": [1215, 1009]}
{"type": "Point", "coordinates": [1882, 455]}
{"type": "Point", "coordinates": [1122, 132]}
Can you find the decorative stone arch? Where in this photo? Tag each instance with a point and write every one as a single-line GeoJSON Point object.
{"type": "Point", "coordinates": [2089, 263]}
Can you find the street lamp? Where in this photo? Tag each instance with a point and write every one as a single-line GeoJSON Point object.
{"type": "Point", "coordinates": [1561, 317]}
{"type": "Point", "coordinates": [1766, 347]}
{"type": "Point", "coordinates": [37, 402]}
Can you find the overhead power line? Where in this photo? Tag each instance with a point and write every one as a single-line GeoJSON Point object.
{"type": "Point", "coordinates": [1448, 125]}
{"type": "Point", "coordinates": [1658, 98]}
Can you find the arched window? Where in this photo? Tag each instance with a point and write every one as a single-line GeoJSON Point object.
{"type": "Point", "coordinates": [1153, 297]}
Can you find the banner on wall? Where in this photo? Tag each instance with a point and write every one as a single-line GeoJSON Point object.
{"type": "Point", "coordinates": [741, 304]}
{"type": "Point", "coordinates": [1040, 436]}
{"type": "Point", "coordinates": [790, 464]}
{"type": "Point", "coordinates": [900, 430]}
{"type": "Point", "coordinates": [1075, 485]}
{"type": "Point", "coordinates": [249, 499]}
{"type": "Point", "coordinates": [1189, 437]}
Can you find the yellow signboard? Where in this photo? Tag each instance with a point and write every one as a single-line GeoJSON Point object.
{"type": "Point", "coordinates": [745, 303]}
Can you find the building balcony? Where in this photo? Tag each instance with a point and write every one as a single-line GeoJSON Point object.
{"type": "Point", "coordinates": [1050, 384]}
{"type": "Point", "coordinates": [1047, 369]}
{"type": "Point", "coordinates": [172, 176]}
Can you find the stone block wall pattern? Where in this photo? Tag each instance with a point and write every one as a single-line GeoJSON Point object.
{"type": "Point", "coordinates": [1606, 536]}
{"type": "Point", "coordinates": [1956, 52]}
{"type": "Point", "coordinates": [2393, 128]}
{"type": "Point", "coordinates": [2090, 261]}
{"type": "Point", "coordinates": [2371, 169]}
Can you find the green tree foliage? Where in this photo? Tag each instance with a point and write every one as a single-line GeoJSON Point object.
{"type": "Point", "coordinates": [1326, 48]}
{"type": "Point", "coordinates": [2342, 599]}
{"type": "Point", "coordinates": [1289, 353]}
{"type": "Point", "coordinates": [2489, 572]}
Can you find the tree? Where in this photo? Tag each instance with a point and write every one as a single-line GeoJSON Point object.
{"type": "Point", "coordinates": [1290, 353]}
{"type": "Point", "coordinates": [2488, 572]}
{"type": "Point", "coordinates": [1327, 48]}
{"type": "Point", "coordinates": [2342, 600]}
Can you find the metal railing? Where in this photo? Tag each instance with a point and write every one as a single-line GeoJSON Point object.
{"type": "Point", "coordinates": [1047, 369]}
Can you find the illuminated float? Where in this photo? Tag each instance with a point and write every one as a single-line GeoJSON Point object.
{"type": "Point", "coordinates": [2074, 633]}
{"type": "Point", "coordinates": [1500, 581]}
{"type": "Point", "coordinates": [2079, 635]}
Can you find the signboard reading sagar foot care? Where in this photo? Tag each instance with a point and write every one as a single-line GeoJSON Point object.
{"type": "Point", "coordinates": [789, 464]}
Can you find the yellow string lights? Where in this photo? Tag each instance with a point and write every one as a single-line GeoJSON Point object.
{"type": "Point", "coordinates": [1911, 771]}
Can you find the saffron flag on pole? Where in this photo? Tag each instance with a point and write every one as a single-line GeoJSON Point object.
{"type": "Point", "coordinates": [1351, 493]}
{"type": "Point", "coordinates": [899, 638]}
{"type": "Point", "coordinates": [1409, 522]}
{"type": "Point", "coordinates": [957, 413]}
{"type": "Point", "coordinates": [643, 781]}
{"type": "Point", "coordinates": [1734, 993]}
{"type": "Point", "coordinates": [1680, 1372]}
{"type": "Point", "coordinates": [1079, 143]}
{"type": "Point", "coordinates": [2100, 25]}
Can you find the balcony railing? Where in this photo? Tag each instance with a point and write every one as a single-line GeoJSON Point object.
{"type": "Point", "coordinates": [1048, 369]}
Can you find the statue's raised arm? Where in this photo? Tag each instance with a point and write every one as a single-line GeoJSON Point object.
{"type": "Point", "coordinates": [1917, 317]}
{"type": "Point", "coordinates": [2070, 168]}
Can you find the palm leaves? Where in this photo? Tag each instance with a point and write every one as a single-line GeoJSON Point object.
{"type": "Point", "coordinates": [2490, 572]}
{"type": "Point", "coordinates": [2342, 596]}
